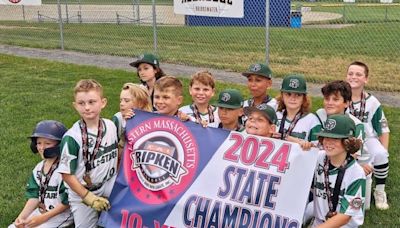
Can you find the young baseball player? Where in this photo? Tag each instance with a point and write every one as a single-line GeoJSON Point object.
{"type": "Point", "coordinates": [260, 121]}
{"type": "Point", "coordinates": [368, 109]}
{"type": "Point", "coordinates": [230, 110]}
{"type": "Point", "coordinates": [47, 204]}
{"type": "Point", "coordinates": [259, 81]}
{"type": "Point", "coordinates": [295, 122]}
{"type": "Point", "coordinates": [168, 95]}
{"type": "Point", "coordinates": [148, 70]}
{"type": "Point", "coordinates": [89, 155]}
{"type": "Point", "coordinates": [202, 89]}
{"type": "Point", "coordinates": [339, 181]}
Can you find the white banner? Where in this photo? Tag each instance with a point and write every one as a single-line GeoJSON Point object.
{"type": "Point", "coordinates": [21, 2]}
{"type": "Point", "coordinates": [211, 8]}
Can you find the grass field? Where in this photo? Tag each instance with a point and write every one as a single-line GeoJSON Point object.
{"type": "Point", "coordinates": [33, 90]}
{"type": "Point", "coordinates": [320, 54]}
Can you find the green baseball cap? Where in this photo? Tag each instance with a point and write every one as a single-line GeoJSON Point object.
{"type": "Point", "coordinates": [294, 84]}
{"type": "Point", "coordinates": [265, 109]}
{"type": "Point", "coordinates": [146, 58]}
{"type": "Point", "coordinates": [230, 98]}
{"type": "Point", "coordinates": [258, 69]}
{"type": "Point", "coordinates": [338, 126]}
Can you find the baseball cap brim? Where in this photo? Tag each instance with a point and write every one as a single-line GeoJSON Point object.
{"type": "Point", "coordinates": [227, 106]}
{"type": "Point", "coordinates": [292, 91]}
{"type": "Point", "coordinates": [331, 135]}
{"type": "Point", "coordinates": [138, 62]}
{"type": "Point", "coordinates": [248, 110]}
{"type": "Point", "coordinates": [247, 74]}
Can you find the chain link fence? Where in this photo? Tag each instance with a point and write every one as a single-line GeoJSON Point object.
{"type": "Point", "coordinates": [317, 38]}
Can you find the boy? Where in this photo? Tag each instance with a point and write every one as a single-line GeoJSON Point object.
{"type": "Point", "coordinates": [259, 81]}
{"type": "Point", "coordinates": [260, 121]}
{"type": "Point", "coordinates": [47, 204]}
{"type": "Point", "coordinates": [202, 89]}
{"type": "Point", "coordinates": [368, 109]}
{"type": "Point", "coordinates": [168, 95]}
{"type": "Point", "coordinates": [89, 155]}
{"type": "Point", "coordinates": [230, 111]}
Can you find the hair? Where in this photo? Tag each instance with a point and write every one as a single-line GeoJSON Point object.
{"type": "Point", "coordinates": [337, 87]}
{"type": "Point", "coordinates": [86, 85]}
{"type": "Point", "coordinates": [351, 145]}
{"type": "Point", "coordinates": [159, 72]}
{"type": "Point", "coordinates": [167, 82]}
{"type": "Point", "coordinates": [140, 94]}
{"type": "Point", "coordinates": [204, 77]}
{"type": "Point", "coordinates": [361, 64]}
{"type": "Point", "coordinates": [305, 106]}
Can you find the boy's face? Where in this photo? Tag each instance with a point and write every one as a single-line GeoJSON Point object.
{"type": "Point", "coordinates": [258, 124]}
{"type": "Point", "coordinates": [258, 85]}
{"type": "Point", "coordinates": [167, 102]}
{"type": "Point", "coordinates": [292, 100]}
{"type": "Point", "coordinates": [229, 116]}
{"type": "Point", "coordinates": [127, 101]}
{"type": "Point", "coordinates": [89, 104]}
{"type": "Point", "coordinates": [44, 143]}
{"type": "Point", "coordinates": [356, 76]}
{"type": "Point", "coordinates": [334, 104]}
{"type": "Point", "coordinates": [201, 94]}
{"type": "Point", "coordinates": [333, 147]}
{"type": "Point", "coordinates": [146, 72]}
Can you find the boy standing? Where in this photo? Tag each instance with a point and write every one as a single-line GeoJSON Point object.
{"type": "Point", "coordinates": [89, 155]}
{"type": "Point", "coordinates": [230, 111]}
{"type": "Point", "coordinates": [368, 109]}
{"type": "Point", "coordinates": [202, 89]}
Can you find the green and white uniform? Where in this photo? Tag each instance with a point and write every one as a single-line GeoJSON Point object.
{"type": "Point", "coordinates": [272, 102]}
{"type": "Point", "coordinates": [120, 124]}
{"type": "Point", "coordinates": [189, 110]}
{"type": "Point", "coordinates": [351, 196]}
{"type": "Point", "coordinates": [305, 127]}
{"type": "Point", "coordinates": [55, 194]}
{"type": "Point", "coordinates": [102, 174]}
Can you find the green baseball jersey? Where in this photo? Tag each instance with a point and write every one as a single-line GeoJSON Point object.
{"type": "Point", "coordinates": [105, 163]}
{"type": "Point", "coordinates": [54, 195]}
{"type": "Point", "coordinates": [351, 196]}
{"type": "Point", "coordinates": [305, 128]}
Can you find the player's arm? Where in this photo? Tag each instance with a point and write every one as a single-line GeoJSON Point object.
{"type": "Point", "coordinates": [336, 221]}
{"type": "Point", "coordinates": [384, 139]}
{"type": "Point", "coordinates": [42, 218]}
{"type": "Point", "coordinates": [74, 184]}
{"type": "Point", "coordinates": [29, 207]}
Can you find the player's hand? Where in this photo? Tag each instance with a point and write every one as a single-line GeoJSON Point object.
{"type": "Point", "coordinates": [204, 123]}
{"type": "Point", "coordinates": [37, 220]}
{"type": "Point", "coordinates": [183, 116]}
{"type": "Point", "coordinates": [96, 202]}
{"type": "Point", "coordinates": [275, 135]}
{"type": "Point", "coordinates": [305, 145]}
{"type": "Point", "coordinates": [127, 114]}
{"type": "Point", "coordinates": [19, 223]}
{"type": "Point", "coordinates": [368, 169]}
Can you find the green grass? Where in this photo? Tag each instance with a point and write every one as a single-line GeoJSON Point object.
{"type": "Point", "coordinates": [33, 90]}
{"type": "Point", "coordinates": [320, 54]}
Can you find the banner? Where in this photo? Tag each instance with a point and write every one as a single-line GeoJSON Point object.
{"type": "Point", "coordinates": [179, 174]}
{"type": "Point", "coordinates": [211, 8]}
{"type": "Point", "coordinates": [21, 2]}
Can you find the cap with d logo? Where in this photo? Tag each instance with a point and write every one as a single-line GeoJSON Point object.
{"type": "Point", "coordinates": [146, 58]}
{"type": "Point", "coordinates": [338, 126]}
{"type": "Point", "coordinates": [294, 84]}
{"type": "Point", "coordinates": [230, 98]}
{"type": "Point", "coordinates": [258, 69]}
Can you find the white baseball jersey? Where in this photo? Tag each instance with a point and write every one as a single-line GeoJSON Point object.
{"type": "Point", "coordinates": [352, 192]}
{"type": "Point", "coordinates": [55, 194]}
{"type": "Point", "coordinates": [188, 110]}
{"type": "Point", "coordinates": [374, 117]}
{"type": "Point", "coordinates": [120, 124]}
{"type": "Point", "coordinates": [305, 128]}
{"type": "Point", "coordinates": [105, 163]}
{"type": "Point", "coordinates": [272, 102]}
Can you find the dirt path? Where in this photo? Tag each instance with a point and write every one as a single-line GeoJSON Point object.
{"type": "Point", "coordinates": [114, 62]}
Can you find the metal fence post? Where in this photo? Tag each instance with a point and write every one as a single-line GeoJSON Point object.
{"type": "Point", "coordinates": [138, 11]}
{"type": "Point", "coordinates": [154, 26]}
{"type": "Point", "coordinates": [66, 11]}
{"type": "Point", "coordinates": [60, 24]}
{"type": "Point", "coordinates": [267, 32]}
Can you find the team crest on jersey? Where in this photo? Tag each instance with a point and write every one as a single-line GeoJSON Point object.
{"type": "Point", "coordinates": [330, 124]}
{"type": "Point", "coordinates": [294, 83]}
{"type": "Point", "coordinates": [255, 68]}
{"type": "Point", "coordinates": [225, 97]}
{"type": "Point", "coordinates": [160, 159]}
{"type": "Point", "coordinates": [356, 203]}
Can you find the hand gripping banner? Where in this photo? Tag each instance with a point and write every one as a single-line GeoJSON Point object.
{"type": "Point", "coordinates": [179, 174]}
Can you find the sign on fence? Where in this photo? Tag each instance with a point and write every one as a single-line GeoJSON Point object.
{"type": "Point", "coordinates": [218, 8]}
{"type": "Point", "coordinates": [21, 2]}
{"type": "Point", "coordinates": [179, 174]}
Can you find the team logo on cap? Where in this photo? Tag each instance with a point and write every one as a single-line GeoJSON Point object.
{"type": "Point", "coordinates": [330, 124]}
{"type": "Point", "coordinates": [294, 83]}
{"type": "Point", "coordinates": [225, 97]}
{"type": "Point", "coordinates": [140, 57]}
{"type": "Point", "coordinates": [255, 67]}
{"type": "Point", "coordinates": [160, 159]}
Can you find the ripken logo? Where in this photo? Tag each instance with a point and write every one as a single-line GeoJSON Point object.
{"type": "Point", "coordinates": [330, 124]}
{"type": "Point", "coordinates": [294, 83]}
